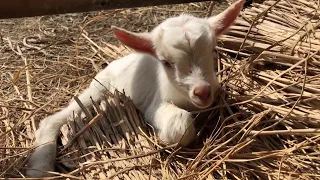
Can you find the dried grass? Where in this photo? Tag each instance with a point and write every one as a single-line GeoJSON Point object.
{"type": "Point", "coordinates": [265, 124]}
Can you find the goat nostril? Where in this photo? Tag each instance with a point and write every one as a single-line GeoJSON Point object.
{"type": "Point", "coordinates": [203, 92]}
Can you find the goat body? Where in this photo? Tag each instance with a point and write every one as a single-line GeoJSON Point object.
{"type": "Point", "coordinates": [171, 74]}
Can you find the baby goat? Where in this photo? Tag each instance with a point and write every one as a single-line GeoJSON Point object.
{"type": "Point", "coordinates": [172, 74]}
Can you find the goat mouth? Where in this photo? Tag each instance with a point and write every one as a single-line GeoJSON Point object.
{"type": "Point", "coordinates": [202, 104]}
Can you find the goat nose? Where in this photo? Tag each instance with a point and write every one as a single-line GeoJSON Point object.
{"type": "Point", "coordinates": [203, 92]}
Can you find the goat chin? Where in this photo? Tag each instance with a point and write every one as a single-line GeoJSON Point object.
{"type": "Point", "coordinates": [174, 58]}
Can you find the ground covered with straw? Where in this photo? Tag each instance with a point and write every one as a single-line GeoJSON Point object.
{"type": "Point", "coordinates": [264, 125]}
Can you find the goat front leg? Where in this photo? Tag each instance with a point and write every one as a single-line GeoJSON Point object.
{"type": "Point", "coordinates": [174, 124]}
{"type": "Point", "coordinates": [43, 158]}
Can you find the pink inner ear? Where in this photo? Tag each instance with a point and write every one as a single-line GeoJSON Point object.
{"type": "Point", "coordinates": [225, 19]}
{"type": "Point", "coordinates": [134, 41]}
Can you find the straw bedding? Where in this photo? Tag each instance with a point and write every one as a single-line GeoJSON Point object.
{"type": "Point", "coordinates": [264, 125]}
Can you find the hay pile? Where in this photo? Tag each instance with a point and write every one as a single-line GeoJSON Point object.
{"type": "Point", "coordinates": [265, 124]}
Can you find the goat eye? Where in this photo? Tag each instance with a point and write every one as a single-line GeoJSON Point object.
{"type": "Point", "coordinates": [166, 64]}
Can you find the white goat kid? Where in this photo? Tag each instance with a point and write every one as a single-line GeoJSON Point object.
{"type": "Point", "coordinates": [172, 74]}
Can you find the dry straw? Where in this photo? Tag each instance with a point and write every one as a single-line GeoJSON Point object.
{"type": "Point", "coordinates": [265, 124]}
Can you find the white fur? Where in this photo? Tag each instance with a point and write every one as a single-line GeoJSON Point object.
{"type": "Point", "coordinates": [165, 95]}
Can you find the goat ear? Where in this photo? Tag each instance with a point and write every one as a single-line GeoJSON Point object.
{"type": "Point", "coordinates": [138, 41]}
{"type": "Point", "coordinates": [225, 19]}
